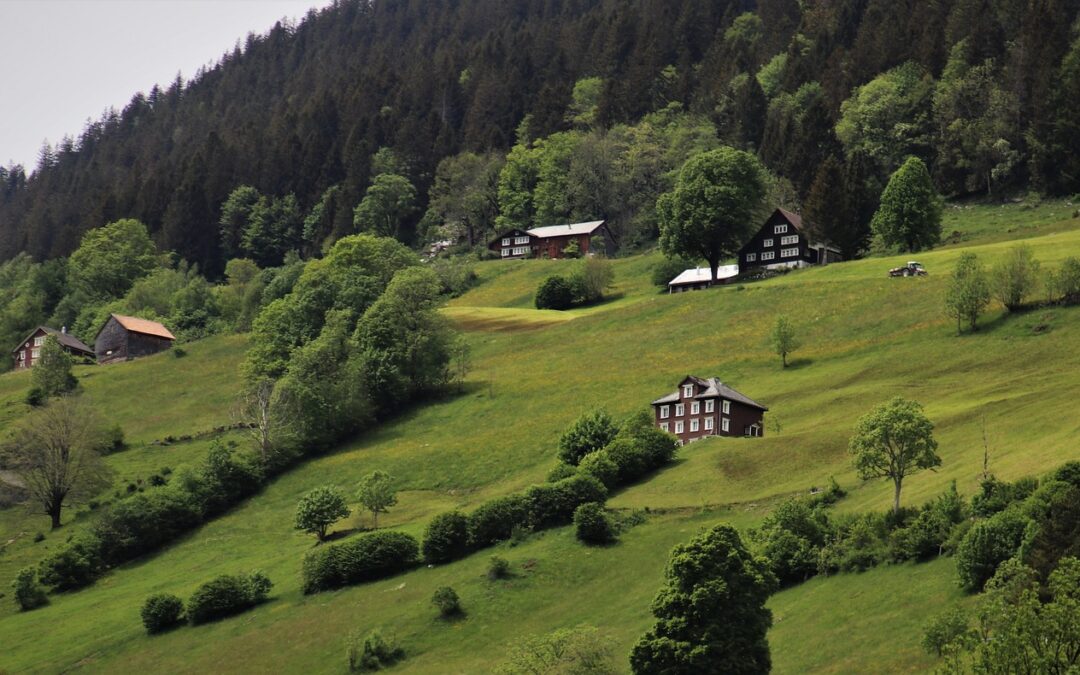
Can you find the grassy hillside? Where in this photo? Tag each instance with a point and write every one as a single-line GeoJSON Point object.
{"type": "Point", "coordinates": [867, 338]}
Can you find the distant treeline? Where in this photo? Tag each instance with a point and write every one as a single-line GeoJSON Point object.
{"type": "Point", "coordinates": [982, 90]}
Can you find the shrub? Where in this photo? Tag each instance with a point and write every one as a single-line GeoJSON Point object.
{"type": "Point", "coordinates": [494, 520]}
{"type": "Point", "coordinates": [498, 568]}
{"type": "Point", "coordinates": [1015, 276]}
{"type": "Point", "coordinates": [561, 470]}
{"type": "Point", "coordinates": [179, 352]}
{"type": "Point", "coordinates": [996, 495]}
{"type": "Point", "coordinates": [75, 565]}
{"type": "Point", "coordinates": [226, 478]}
{"type": "Point", "coordinates": [588, 433]}
{"type": "Point", "coordinates": [829, 495]}
{"type": "Point", "coordinates": [630, 459]}
{"type": "Point", "coordinates": [161, 612]}
{"type": "Point", "coordinates": [922, 539]}
{"type": "Point", "coordinates": [988, 544]}
{"type": "Point", "coordinates": [943, 630]}
{"type": "Point", "coordinates": [599, 466]}
{"type": "Point", "coordinates": [554, 504]}
{"type": "Point", "coordinates": [554, 293]}
{"type": "Point", "coordinates": [1055, 532]}
{"type": "Point", "coordinates": [372, 652]}
{"type": "Point", "coordinates": [667, 269]}
{"type": "Point", "coordinates": [1068, 472]}
{"type": "Point", "coordinates": [227, 595]}
{"type": "Point", "coordinates": [592, 525]}
{"type": "Point", "coordinates": [447, 600]}
{"type": "Point", "coordinates": [319, 509]}
{"type": "Point", "coordinates": [35, 397]}
{"type": "Point", "coordinates": [1068, 281]}
{"type": "Point", "coordinates": [113, 440]}
{"type": "Point", "coordinates": [446, 538]}
{"type": "Point", "coordinates": [859, 544]}
{"type": "Point", "coordinates": [28, 592]}
{"type": "Point", "coordinates": [145, 521]}
{"type": "Point", "coordinates": [365, 558]}
{"type": "Point", "coordinates": [589, 281]}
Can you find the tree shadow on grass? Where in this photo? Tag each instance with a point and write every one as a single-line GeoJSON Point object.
{"type": "Point", "coordinates": [796, 364]}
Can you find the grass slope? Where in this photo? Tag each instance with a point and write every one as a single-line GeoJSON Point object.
{"type": "Point", "coordinates": [867, 338]}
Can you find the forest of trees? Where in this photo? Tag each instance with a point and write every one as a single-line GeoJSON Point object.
{"type": "Point", "coordinates": [492, 112]}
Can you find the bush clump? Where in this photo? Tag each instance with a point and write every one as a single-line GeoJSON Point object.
{"type": "Point", "coordinates": [553, 504]}
{"type": "Point", "coordinates": [996, 495]}
{"type": "Point", "coordinates": [161, 612]}
{"type": "Point", "coordinates": [928, 534]}
{"type": "Point", "coordinates": [73, 566]}
{"type": "Point", "coordinates": [226, 595]}
{"type": "Point", "coordinates": [372, 652]}
{"type": "Point", "coordinates": [446, 538]}
{"type": "Point", "coordinates": [447, 601]}
{"type": "Point", "coordinates": [28, 592]}
{"type": "Point", "coordinates": [498, 568]}
{"type": "Point", "coordinates": [988, 544]}
{"type": "Point", "coordinates": [791, 538]}
{"type": "Point", "coordinates": [588, 433]}
{"type": "Point", "coordinates": [592, 525]}
{"type": "Point", "coordinates": [144, 522]}
{"type": "Point", "coordinates": [494, 520]}
{"type": "Point", "coordinates": [365, 558]}
{"type": "Point", "coordinates": [554, 292]}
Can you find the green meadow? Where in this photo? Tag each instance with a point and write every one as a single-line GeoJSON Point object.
{"type": "Point", "coordinates": [866, 338]}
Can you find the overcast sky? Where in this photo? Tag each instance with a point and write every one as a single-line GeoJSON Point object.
{"type": "Point", "coordinates": [68, 60]}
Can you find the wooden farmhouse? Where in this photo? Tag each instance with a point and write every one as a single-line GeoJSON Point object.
{"type": "Point", "coordinates": [703, 407]}
{"type": "Point", "coordinates": [782, 242]}
{"type": "Point", "coordinates": [125, 337]}
{"type": "Point", "coordinates": [698, 278]}
{"type": "Point", "coordinates": [548, 242]}
{"type": "Point", "coordinates": [28, 352]}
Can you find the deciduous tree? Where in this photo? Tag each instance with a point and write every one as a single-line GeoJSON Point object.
{"type": "Point", "coordinates": [377, 493]}
{"type": "Point", "coordinates": [319, 509]}
{"type": "Point", "coordinates": [969, 291]}
{"type": "Point", "coordinates": [909, 217]}
{"type": "Point", "coordinates": [784, 338]}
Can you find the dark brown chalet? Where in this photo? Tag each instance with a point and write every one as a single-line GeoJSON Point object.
{"type": "Point", "coordinates": [703, 407]}
{"type": "Point", "coordinates": [125, 337]}
{"type": "Point", "coordinates": [783, 241]}
{"type": "Point", "coordinates": [548, 242]}
{"type": "Point", "coordinates": [28, 352]}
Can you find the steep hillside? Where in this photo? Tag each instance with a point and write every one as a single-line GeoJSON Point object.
{"type": "Point", "coordinates": [867, 338]}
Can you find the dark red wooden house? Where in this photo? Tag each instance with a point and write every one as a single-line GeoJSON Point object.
{"type": "Point", "coordinates": [703, 407]}
{"type": "Point", "coordinates": [29, 350]}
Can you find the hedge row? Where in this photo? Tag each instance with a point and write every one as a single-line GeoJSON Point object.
{"type": "Point", "coordinates": [365, 558]}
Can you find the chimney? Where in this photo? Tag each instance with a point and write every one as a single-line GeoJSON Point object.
{"type": "Point", "coordinates": [63, 330]}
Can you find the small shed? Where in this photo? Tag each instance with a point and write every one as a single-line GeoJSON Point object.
{"type": "Point", "coordinates": [699, 278]}
{"type": "Point", "coordinates": [123, 338]}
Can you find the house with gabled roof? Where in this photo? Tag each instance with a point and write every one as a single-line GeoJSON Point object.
{"type": "Point", "coordinates": [703, 407]}
{"type": "Point", "coordinates": [27, 353]}
{"type": "Point", "coordinates": [785, 242]}
{"type": "Point", "coordinates": [123, 338]}
{"type": "Point", "coordinates": [700, 278]}
{"type": "Point", "coordinates": [550, 241]}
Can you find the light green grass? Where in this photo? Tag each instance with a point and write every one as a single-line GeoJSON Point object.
{"type": "Point", "coordinates": [867, 337]}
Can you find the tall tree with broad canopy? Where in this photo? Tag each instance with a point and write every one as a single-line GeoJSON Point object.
{"type": "Point", "coordinates": [909, 217]}
{"type": "Point", "coordinates": [711, 615]}
{"type": "Point", "coordinates": [714, 207]}
{"type": "Point", "coordinates": [386, 204]}
{"type": "Point", "coordinates": [52, 375]}
{"type": "Point", "coordinates": [894, 441]}
{"type": "Point", "coordinates": [319, 509]}
{"type": "Point", "coordinates": [110, 258]}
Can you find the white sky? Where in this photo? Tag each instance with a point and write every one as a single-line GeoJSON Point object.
{"type": "Point", "coordinates": [68, 60]}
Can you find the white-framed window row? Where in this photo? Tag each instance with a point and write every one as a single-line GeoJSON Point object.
{"type": "Point", "coordinates": [767, 243]}
{"type": "Point", "coordinates": [521, 250]}
{"type": "Point", "coordinates": [726, 407]}
{"type": "Point", "coordinates": [664, 426]}
{"type": "Point", "coordinates": [687, 390]}
{"type": "Point", "coordinates": [665, 412]}
{"type": "Point", "coordinates": [680, 410]}
{"type": "Point", "coordinates": [780, 229]}
{"type": "Point", "coordinates": [694, 424]}
{"type": "Point", "coordinates": [790, 239]}
{"type": "Point", "coordinates": [767, 255]}
{"type": "Point", "coordinates": [725, 424]}
{"type": "Point", "coordinates": [506, 241]}
{"type": "Point", "coordinates": [709, 424]}
{"type": "Point", "coordinates": [789, 252]}
{"type": "Point", "coordinates": [695, 408]}
{"type": "Point", "coordinates": [710, 405]}
{"type": "Point", "coordinates": [678, 426]}
{"type": "Point", "coordinates": [38, 341]}
{"type": "Point", "coordinates": [751, 257]}
{"type": "Point", "coordinates": [521, 240]}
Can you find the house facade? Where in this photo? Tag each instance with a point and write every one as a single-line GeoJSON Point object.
{"type": "Point", "coordinates": [784, 242]}
{"type": "Point", "coordinates": [703, 407]}
{"type": "Point", "coordinates": [123, 338]}
{"type": "Point", "coordinates": [548, 242]}
{"type": "Point", "coordinates": [28, 352]}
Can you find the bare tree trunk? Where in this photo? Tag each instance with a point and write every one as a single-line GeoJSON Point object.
{"type": "Point", "coordinates": [896, 496]}
{"type": "Point", "coordinates": [54, 514]}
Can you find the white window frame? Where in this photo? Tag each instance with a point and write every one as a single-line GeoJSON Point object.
{"type": "Point", "coordinates": [790, 239]}
{"type": "Point", "coordinates": [521, 250]}
{"type": "Point", "coordinates": [789, 252]}
{"type": "Point", "coordinates": [709, 423]}
{"type": "Point", "coordinates": [710, 405]}
{"type": "Point", "coordinates": [35, 354]}
{"type": "Point", "coordinates": [39, 341]}
{"type": "Point", "coordinates": [768, 242]}
{"type": "Point", "coordinates": [680, 410]}
{"type": "Point", "coordinates": [767, 255]}
{"type": "Point", "coordinates": [687, 390]}
{"type": "Point", "coordinates": [506, 253]}
{"type": "Point", "coordinates": [725, 424]}
{"type": "Point", "coordinates": [695, 408]}
{"type": "Point", "coordinates": [780, 229]}
{"type": "Point", "coordinates": [665, 412]}
{"type": "Point", "coordinates": [678, 426]}
{"type": "Point", "coordinates": [521, 240]}
{"type": "Point", "coordinates": [751, 257]}
{"type": "Point", "coordinates": [727, 407]}
{"type": "Point", "coordinates": [664, 426]}
{"type": "Point", "coordinates": [506, 241]}
{"type": "Point", "coordinates": [694, 425]}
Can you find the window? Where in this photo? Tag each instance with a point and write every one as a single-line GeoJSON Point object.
{"type": "Point", "coordinates": [694, 424]}
{"type": "Point", "coordinates": [708, 424]}
{"type": "Point", "coordinates": [38, 341]}
{"type": "Point", "coordinates": [521, 240]}
{"type": "Point", "coordinates": [725, 424]}
{"type": "Point", "coordinates": [710, 405]}
{"type": "Point", "coordinates": [780, 229]}
{"type": "Point", "coordinates": [727, 407]}
{"type": "Point", "coordinates": [665, 412]}
{"type": "Point", "coordinates": [521, 250]}
{"type": "Point", "coordinates": [506, 253]}
{"type": "Point", "coordinates": [789, 252]}
{"type": "Point", "coordinates": [751, 257]}
{"type": "Point", "coordinates": [767, 255]}
{"type": "Point", "coordinates": [680, 410]}
{"type": "Point", "coordinates": [767, 243]}
{"type": "Point", "coordinates": [678, 427]}
{"type": "Point", "coordinates": [687, 390]}
{"type": "Point", "coordinates": [22, 355]}
{"type": "Point", "coordinates": [664, 426]}
{"type": "Point", "coordinates": [695, 408]}
{"type": "Point", "coordinates": [35, 354]}
{"type": "Point", "coordinates": [506, 241]}
{"type": "Point", "coordinates": [792, 239]}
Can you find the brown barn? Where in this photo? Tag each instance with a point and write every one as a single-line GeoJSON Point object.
{"type": "Point", "coordinates": [125, 337]}
{"type": "Point", "coordinates": [548, 242]}
{"type": "Point", "coordinates": [29, 350]}
{"type": "Point", "coordinates": [703, 407]}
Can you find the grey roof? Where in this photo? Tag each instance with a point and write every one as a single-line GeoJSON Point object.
{"type": "Point", "coordinates": [714, 388]}
{"type": "Point", "coordinates": [65, 339]}
{"type": "Point", "coordinates": [697, 275]}
{"type": "Point", "coordinates": [566, 230]}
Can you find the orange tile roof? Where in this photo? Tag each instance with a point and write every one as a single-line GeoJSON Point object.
{"type": "Point", "coordinates": [144, 326]}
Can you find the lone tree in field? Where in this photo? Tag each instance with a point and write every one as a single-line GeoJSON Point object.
{"type": "Point", "coordinates": [783, 338]}
{"type": "Point", "coordinates": [894, 441]}
{"type": "Point", "coordinates": [319, 509]}
{"type": "Point", "coordinates": [55, 455]}
{"type": "Point", "coordinates": [909, 217]}
{"type": "Point", "coordinates": [1016, 276]}
{"type": "Point", "coordinates": [52, 375]}
{"type": "Point", "coordinates": [712, 210]}
{"type": "Point", "coordinates": [711, 615]}
{"type": "Point", "coordinates": [968, 293]}
{"type": "Point", "coordinates": [377, 493]}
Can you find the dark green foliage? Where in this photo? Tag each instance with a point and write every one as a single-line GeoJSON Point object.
{"type": "Point", "coordinates": [859, 542]}
{"type": "Point", "coordinates": [494, 520]}
{"type": "Point", "coordinates": [35, 397]}
{"type": "Point", "coordinates": [372, 652]}
{"type": "Point", "coordinates": [592, 524]}
{"type": "Point", "coordinates": [599, 465]}
{"type": "Point", "coordinates": [943, 630]}
{"type": "Point", "coordinates": [554, 293]}
{"type": "Point", "coordinates": [28, 592]}
{"type": "Point", "coordinates": [320, 508]}
{"type": "Point", "coordinates": [52, 375]}
{"type": "Point", "coordinates": [988, 544]}
{"type": "Point", "coordinates": [112, 440]}
{"type": "Point", "coordinates": [588, 433]}
{"type": "Point", "coordinates": [561, 470]}
{"type": "Point", "coordinates": [928, 533]}
{"type": "Point", "coordinates": [790, 539]}
{"type": "Point", "coordinates": [909, 218]}
{"type": "Point", "coordinates": [146, 521]}
{"type": "Point", "coordinates": [1068, 472]}
{"type": "Point", "coordinates": [78, 563]}
{"type": "Point", "coordinates": [995, 495]}
{"type": "Point", "coordinates": [1055, 533]}
{"type": "Point", "coordinates": [227, 478]}
{"type": "Point", "coordinates": [667, 269]}
{"type": "Point", "coordinates": [447, 601]}
{"type": "Point", "coordinates": [711, 614]}
{"type": "Point", "coordinates": [498, 568]}
{"type": "Point", "coordinates": [364, 558]}
{"type": "Point", "coordinates": [227, 595]}
{"type": "Point", "coordinates": [446, 538]}
{"type": "Point", "coordinates": [553, 504]}
{"type": "Point", "coordinates": [161, 612]}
